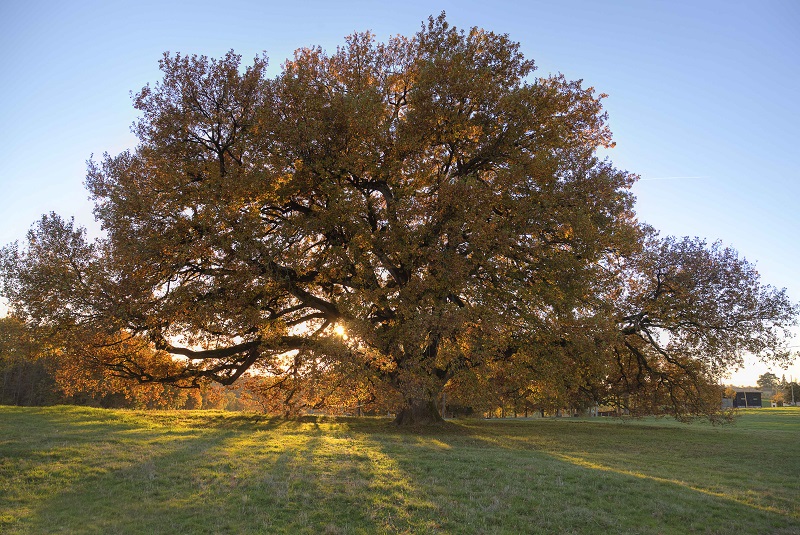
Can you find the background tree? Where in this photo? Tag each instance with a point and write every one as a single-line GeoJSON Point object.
{"type": "Point", "coordinates": [791, 392]}
{"type": "Point", "coordinates": [34, 372]}
{"type": "Point", "coordinates": [393, 216]}
{"type": "Point", "coordinates": [26, 368]}
{"type": "Point", "coordinates": [767, 381]}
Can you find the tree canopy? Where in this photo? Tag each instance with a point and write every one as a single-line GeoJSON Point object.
{"type": "Point", "coordinates": [768, 381]}
{"type": "Point", "coordinates": [393, 219]}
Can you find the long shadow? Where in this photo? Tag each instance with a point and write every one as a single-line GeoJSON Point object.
{"type": "Point", "coordinates": [169, 473]}
{"type": "Point", "coordinates": [729, 465]}
{"type": "Point", "coordinates": [332, 479]}
{"type": "Point", "coordinates": [532, 486]}
{"type": "Point", "coordinates": [228, 475]}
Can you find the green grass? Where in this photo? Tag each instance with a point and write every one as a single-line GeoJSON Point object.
{"type": "Point", "coordinates": [78, 470]}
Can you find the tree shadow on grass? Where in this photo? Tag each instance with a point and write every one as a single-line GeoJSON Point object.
{"type": "Point", "coordinates": [231, 477]}
{"type": "Point", "coordinates": [521, 480]}
{"type": "Point", "coordinates": [734, 464]}
{"type": "Point", "coordinates": [231, 474]}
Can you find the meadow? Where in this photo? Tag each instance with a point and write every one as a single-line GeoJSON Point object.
{"type": "Point", "coordinates": [85, 471]}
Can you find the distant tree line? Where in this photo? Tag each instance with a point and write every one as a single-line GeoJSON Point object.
{"type": "Point", "coordinates": [33, 373]}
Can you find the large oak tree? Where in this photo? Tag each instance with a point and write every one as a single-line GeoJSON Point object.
{"type": "Point", "coordinates": [394, 214]}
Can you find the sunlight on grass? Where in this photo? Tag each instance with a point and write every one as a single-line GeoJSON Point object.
{"type": "Point", "coordinates": [584, 463]}
{"type": "Point", "coordinates": [427, 442]}
{"type": "Point", "coordinates": [398, 499]}
{"type": "Point", "coordinates": [80, 471]}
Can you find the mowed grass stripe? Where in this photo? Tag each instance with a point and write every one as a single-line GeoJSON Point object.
{"type": "Point", "coordinates": [79, 470]}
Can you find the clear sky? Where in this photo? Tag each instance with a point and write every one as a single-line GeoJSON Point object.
{"type": "Point", "coordinates": [703, 96]}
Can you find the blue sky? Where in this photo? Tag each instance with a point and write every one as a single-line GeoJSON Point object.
{"type": "Point", "coordinates": [702, 96]}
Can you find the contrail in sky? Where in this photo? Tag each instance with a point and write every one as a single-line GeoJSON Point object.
{"type": "Point", "coordinates": [671, 178]}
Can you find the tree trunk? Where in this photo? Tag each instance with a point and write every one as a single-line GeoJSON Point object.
{"type": "Point", "coordinates": [419, 412]}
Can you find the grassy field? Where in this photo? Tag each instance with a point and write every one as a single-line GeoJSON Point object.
{"type": "Point", "coordinates": [78, 470]}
